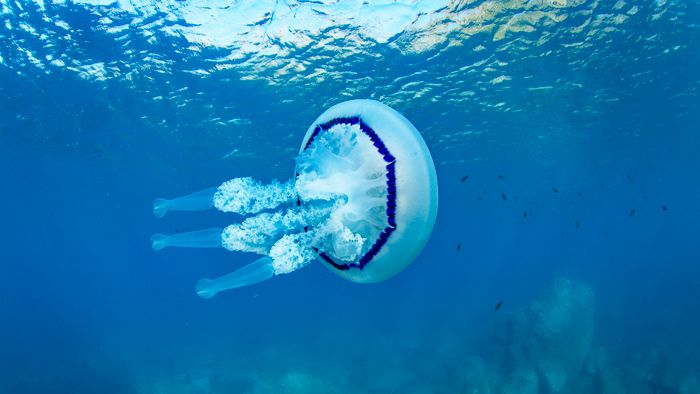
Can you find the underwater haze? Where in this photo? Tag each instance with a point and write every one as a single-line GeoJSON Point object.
{"type": "Point", "coordinates": [565, 257]}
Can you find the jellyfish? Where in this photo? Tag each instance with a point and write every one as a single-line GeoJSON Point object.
{"type": "Point", "coordinates": [362, 201]}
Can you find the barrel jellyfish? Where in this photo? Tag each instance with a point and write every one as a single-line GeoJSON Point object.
{"type": "Point", "coordinates": [363, 201]}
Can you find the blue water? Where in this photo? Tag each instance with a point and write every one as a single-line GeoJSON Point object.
{"type": "Point", "coordinates": [576, 123]}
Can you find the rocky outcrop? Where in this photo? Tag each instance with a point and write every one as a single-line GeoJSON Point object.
{"type": "Point", "coordinates": [543, 348]}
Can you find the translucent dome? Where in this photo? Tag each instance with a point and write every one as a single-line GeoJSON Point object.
{"type": "Point", "coordinates": [375, 163]}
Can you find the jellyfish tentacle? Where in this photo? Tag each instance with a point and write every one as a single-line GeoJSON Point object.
{"type": "Point", "coordinates": [253, 273]}
{"type": "Point", "coordinates": [247, 196]}
{"type": "Point", "coordinates": [207, 238]}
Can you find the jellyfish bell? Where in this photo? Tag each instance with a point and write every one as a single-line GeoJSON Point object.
{"type": "Point", "coordinates": [363, 201]}
{"type": "Point", "coordinates": [385, 170]}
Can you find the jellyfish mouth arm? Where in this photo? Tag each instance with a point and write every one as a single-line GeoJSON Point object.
{"type": "Point", "coordinates": [247, 196]}
{"type": "Point", "coordinates": [259, 233]}
{"type": "Point", "coordinates": [208, 238]}
{"type": "Point", "coordinates": [253, 273]}
{"type": "Point", "coordinates": [288, 254]}
{"type": "Point", "coordinates": [239, 195]}
{"type": "Point", "coordinates": [198, 201]}
{"type": "Point", "coordinates": [292, 251]}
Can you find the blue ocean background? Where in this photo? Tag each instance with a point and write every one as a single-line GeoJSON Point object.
{"type": "Point", "coordinates": [566, 141]}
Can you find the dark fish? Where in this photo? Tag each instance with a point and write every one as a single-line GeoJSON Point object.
{"type": "Point", "coordinates": [525, 214]}
{"type": "Point", "coordinates": [503, 195]}
{"type": "Point", "coordinates": [578, 224]}
{"type": "Point", "coordinates": [501, 177]}
{"type": "Point", "coordinates": [555, 190]}
{"type": "Point", "coordinates": [480, 198]}
{"type": "Point", "coordinates": [498, 305]}
{"type": "Point", "coordinates": [464, 178]}
{"type": "Point", "coordinates": [663, 207]}
{"type": "Point", "coordinates": [579, 194]}
{"type": "Point", "coordinates": [630, 179]}
{"type": "Point", "coordinates": [459, 246]}
{"type": "Point", "coordinates": [632, 212]}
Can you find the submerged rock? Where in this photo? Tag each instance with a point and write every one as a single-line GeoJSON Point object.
{"type": "Point", "coordinates": [689, 386]}
{"type": "Point", "coordinates": [553, 374]}
{"type": "Point", "coordinates": [297, 382]}
{"type": "Point", "coordinates": [476, 377]}
{"type": "Point", "coordinates": [551, 338]}
{"type": "Point", "coordinates": [201, 385]}
{"type": "Point", "coordinates": [390, 379]}
{"type": "Point", "coordinates": [522, 381]}
{"type": "Point", "coordinates": [300, 382]}
{"type": "Point", "coordinates": [562, 324]}
{"type": "Point", "coordinates": [185, 384]}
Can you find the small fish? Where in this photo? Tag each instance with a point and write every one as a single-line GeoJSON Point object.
{"type": "Point", "coordinates": [555, 190]}
{"type": "Point", "coordinates": [498, 305]}
{"type": "Point", "coordinates": [501, 177]}
{"type": "Point", "coordinates": [632, 212]}
{"type": "Point", "coordinates": [664, 208]}
{"type": "Point", "coordinates": [464, 178]}
{"type": "Point", "coordinates": [578, 224]}
{"type": "Point", "coordinates": [459, 246]}
{"type": "Point", "coordinates": [525, 214]}
{"type": "Point", "coordinates": [630, 179]}
{"type": "Point", "coordinates": [579, 194]}
{"type": "Point", "coordinates": [480, 198]}
{"type": "Point", "coordinates": [503, 195]}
